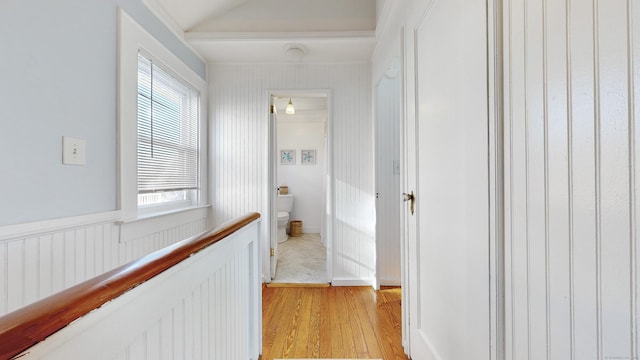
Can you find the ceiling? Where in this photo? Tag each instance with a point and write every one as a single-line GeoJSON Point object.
{"type": "Point", "coordinates": [328, 31]}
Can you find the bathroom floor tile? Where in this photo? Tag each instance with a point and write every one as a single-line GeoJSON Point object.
{"type": "Point", "coordinates": [302, 259]}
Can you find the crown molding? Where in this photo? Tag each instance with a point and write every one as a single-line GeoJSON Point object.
{"type": "Point", "coordinates": [205, 37]}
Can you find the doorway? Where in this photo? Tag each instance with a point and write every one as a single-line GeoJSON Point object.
{"type": "Point", "coordinates": [300, 184]}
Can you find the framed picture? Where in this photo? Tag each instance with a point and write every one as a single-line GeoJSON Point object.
{"type": "Point", "coordinates": [307, 157]}
{"type": "Point", "coordinates": [287, 157]}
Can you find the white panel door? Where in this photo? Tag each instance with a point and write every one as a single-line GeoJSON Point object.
{"type": "Point", "coordinates": [449, 257]}
{"type": "Point", "coordinates": [387, 152]}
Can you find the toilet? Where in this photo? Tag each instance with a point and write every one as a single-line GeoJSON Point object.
{"type": "Point", "coordinates": [285, 206]}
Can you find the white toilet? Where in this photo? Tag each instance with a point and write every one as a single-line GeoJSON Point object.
{"type": "Point", "coordinates": [285, 206]}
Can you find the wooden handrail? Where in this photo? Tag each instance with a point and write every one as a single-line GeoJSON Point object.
{"type": "Point", "coordinates": [25, 327]}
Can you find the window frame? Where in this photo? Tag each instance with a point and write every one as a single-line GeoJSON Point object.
{"type": "Point", "coordinates": [132, 39]}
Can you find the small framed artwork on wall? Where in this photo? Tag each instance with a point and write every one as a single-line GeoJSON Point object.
{"type": "Point", "coordinates": [287, 157]}
{"type": "Point", "coordinates": [307, 157]}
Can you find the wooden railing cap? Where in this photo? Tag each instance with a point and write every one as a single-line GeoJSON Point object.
{"type": "Point", "coordinates": [25, 327]}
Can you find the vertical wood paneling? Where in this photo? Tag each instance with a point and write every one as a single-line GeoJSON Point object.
{"type": "Point", "coordinates": [4, 278]}
{"type": "Point", "coordinates": [517, 285]}
{"type": "Point", "coordinates": [570, 179]}
{"type": "Point", "coordinates": [31, 270]}
{"type": "Point", "coordinates": [557, 160]}
{"type": "Point", "coordinates": [634, 131]}
{"type": "Point", "coordinates": [35, 267]}
{"type": "Point", "coordinates": [239, 114]}
{"type": "Point", "coordinates": [201, 308]}
{"type": "Point", "coordinates": [15, 272]}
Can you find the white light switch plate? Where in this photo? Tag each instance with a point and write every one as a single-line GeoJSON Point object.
{"type": "Point", "coordinates": [73, 151]}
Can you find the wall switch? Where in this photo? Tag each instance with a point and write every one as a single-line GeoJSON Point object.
{"type": "Point", "coordinates": [73, 151]}
{"type": "Point", "coordinates": [396, 166]}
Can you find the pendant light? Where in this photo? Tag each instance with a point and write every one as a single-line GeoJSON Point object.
{"type": "Point", "coordinates": [290, 109]}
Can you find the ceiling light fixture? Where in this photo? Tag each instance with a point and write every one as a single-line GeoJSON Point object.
{"type": "Point", "coordinates": [294, 51]}
{"type": "Point", "coordinates": [290, 109]}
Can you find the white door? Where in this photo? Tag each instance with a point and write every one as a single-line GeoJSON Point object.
{"type": "Point", "coordinates": [273, 180]}
{"type": "Point", "coordinates": [388, 188]}
{"type": "Point", "coordinates": [449, 233]}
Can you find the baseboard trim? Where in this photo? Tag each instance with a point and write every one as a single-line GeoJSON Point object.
{"type": "Point", "coordinates": [297, 285]}
{"type": "Point", "coordinates": [351, 282]}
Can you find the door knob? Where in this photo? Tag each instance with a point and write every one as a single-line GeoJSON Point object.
{"type": "Point", "coordinates": [410, 197]}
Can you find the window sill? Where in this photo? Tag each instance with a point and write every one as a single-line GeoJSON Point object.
{"type": "Point", "coordinates": [143, 225]}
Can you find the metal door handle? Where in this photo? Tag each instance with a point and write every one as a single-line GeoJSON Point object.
{"type": "Point", "coordinates": [410, 197]}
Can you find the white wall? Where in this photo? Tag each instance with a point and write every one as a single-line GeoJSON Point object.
{"type": "Point", "coordinates": [305, 181]}
{"type": "Point", "coordinates": [59, 223]}
{"type": "Point", "coordinates": [58, 72]}
{"type": "Point", "coordinates": [239, 108]}
{"type": "Point", "coordinates": [571, 177]}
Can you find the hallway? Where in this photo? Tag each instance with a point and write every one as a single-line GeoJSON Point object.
{"type": "Point", "coordinates": [332, 322]}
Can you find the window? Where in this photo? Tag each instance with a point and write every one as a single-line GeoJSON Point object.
{"type": "Point", "coordinates": [167, 147]}
{"type": "Point", "coordinates": [162, 144]}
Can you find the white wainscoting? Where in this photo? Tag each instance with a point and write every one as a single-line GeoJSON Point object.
{"type": "Point", "coordinates": [571, 158]}
{"type": "Point", "coordinates": [239, 107]}
{"type": "Point", "coordinates": [206, 307]}
{"type": "Point", "coordinates": [35, 266]}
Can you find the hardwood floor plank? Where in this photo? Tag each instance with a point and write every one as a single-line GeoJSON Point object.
{"type": "Point", "coordinates": [326, 342]}
{"type": "Point", "coordinates": [389, 332]}
{"type": "Point", "coordinates": [294, 323]}
{"type": "Point", "coordinates": [301, 347]}
{"type": "Point", "coordinates": [270, 316]}
{"type": "Point", "coordinates": [344, 324]}
{"type": "Point", "coordinates": [358, 323]}
{"type": "Point", "coordinates": [335, 334]}
{"type": "Point", "coordinates": [332, 322]}
{"type": "Point", "coordinates": [368, 325]}
{"type": "Point", "coordinates": [314, 324]}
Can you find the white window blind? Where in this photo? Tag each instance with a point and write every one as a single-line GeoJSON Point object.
{"type": "Point", "coordinates": [167, 135]}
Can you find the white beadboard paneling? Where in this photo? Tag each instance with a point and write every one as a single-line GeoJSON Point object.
{"type": "Point", "coordinates": [40, 264]}
{"type": "Point", "coordinates": [634, 140]}
{"type": "Point", "coordinates": [202, 308]}
{"type": "Point", "coordinates": [239, 114]}
{"type": "Point", "coordinates": [570, 179]}
{"type": "Point", "coordinates": [4, 277]}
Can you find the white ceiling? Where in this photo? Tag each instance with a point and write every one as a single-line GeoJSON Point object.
{"type": "Point", "coordinates": [258, 30]}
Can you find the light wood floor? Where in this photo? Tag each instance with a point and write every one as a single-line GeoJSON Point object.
{"type": "Point", "coordinates": [331, 322]}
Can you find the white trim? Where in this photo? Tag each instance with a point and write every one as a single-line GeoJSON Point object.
{"type": "Point", "coordinates": [389, 282]}
{"type": "Point", "coordinates": [161, 214]}
{"type": "Point", "coordinates": [131, 38]}
{"type": "Point", "coordinates": [495, 104]}
{"type": "Point", "coordinates": [388, 9]}
{"type": "Point", "coordinates": [10, 232]}
{"type": "Point", "coordinates": [135, 228]}
{"type": "Point", "coordinates": [353, 282]}
{"type": "Point", "coordinates": [207, 37]}
{"type": "Point", "coordinates": [162, 15]}
{"type": "Point", "coordinates": [329, 188]}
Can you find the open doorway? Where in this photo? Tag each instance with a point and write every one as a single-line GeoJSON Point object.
{"type": "Point", "coordinates": [300, 176]}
